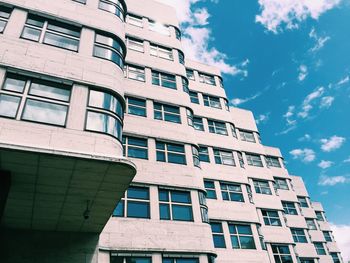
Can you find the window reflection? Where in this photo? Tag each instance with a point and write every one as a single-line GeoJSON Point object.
{"type": "Point", "coordinates": [9, 105]}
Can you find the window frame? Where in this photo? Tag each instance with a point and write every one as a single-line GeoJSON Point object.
{"type": "Point", "coordinates": [320, 249]}
{"type": "Point", "coordinates": [218, 234]}
{"type": "Point", "coordinates": [209, 186]}
{"type": "Point", "coordinates": [132, 17]}
{"type": "Point", "coordinates": [207, 79]}
{"type": "Point", "coordinates": [229, 193]}
{"type": "Point", "coordinates": [134, 69]}
{"type": "Point", "coordinates": [135, 44]}
{"type": "Point", "coordinates": [244, 135]}
{"type": "Point", "coordinates": [217, 127]}
{"type": "Point", "coordinates": [166, 152]}
{"type": "Point", "coordinates": [194, 97]}
{"type": "Point", "coordinates": [288, 207]}
{"type": "Point", "coordinates": [239, 236]}
{"type": "Point", "coordinates": [270, 219]}
{"type": "Point", "coordinates": [5, 19]}
{"type": "Point", "coordinates": [222, 156]}
{"type": "Point", "coordinates": [278, 253]}
{"type": "Point", "coordinates": [298, 235]}
{"type": "Point", "coordinates": [254, 162]}
{"type": "Point", "coordinates": [212, 101]}
{"type": "Point", "coordinates": [127, 145]}
{"type": "Point", "coordinates": [262, 187]}
{"type": "Point", "coordinates": [136, 106]}
{"type": "Point", "coordinates": [161, 112]}
{"type": "Point", "coordinates": [273, 161]}
{"type": "Point", "coordinates": [158, 50]}
{"type": "Point", "coordinates": [160, 78]}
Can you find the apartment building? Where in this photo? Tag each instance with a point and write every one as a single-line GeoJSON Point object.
{"type": "Point", "coordinates": [84, 82]}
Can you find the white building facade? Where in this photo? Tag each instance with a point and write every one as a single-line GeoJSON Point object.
{"type": "Point", "coordinates": [85, 82]}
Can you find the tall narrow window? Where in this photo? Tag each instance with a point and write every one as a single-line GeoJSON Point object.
{"type": "Point", "coordinates": [135, 73]}
{"type": "Point", "coordinates": [175, 205]}
{"type": "Point", "coordinates": [241, 160]}
{"type": "Point", "coordinates": [44, 101]}
{"type": "Point", "coordinates": [109, 47]}
{"type": "Point", "coordinates": [233, 130]}
{"type": "Point", "coordinates": [134, 20]}
{"type": "Point", "coordinates": [203, 205]}
{"type": "Point", "coordinates": [224, 157]}
{"type": "Point", "coordinates": [335, 257]}
{"type": "Point", "coordinates": [194, 97]}
{"type": "Point", "coordinates": [303, 202]}
{"type": "Point", "coordinates": [135, 44]}
{"type": "Point", "coordinates": [281, 253]}
{"type": "Point", "coordinates": [319, 216]}
{"type": "Point", "coordinates": [51, 32]}
{"type": "Point", "coordinates": [181, 57]}
{"type": "Point", "coordinates": [177, 33]}
{"type": "Point", "coordinates": [195, 154]}
{"type": "Point", "coordinates": [185, 86]}
{"type": "Point", "coordinates": [112, 6]}
{"type": "Point", "coordinates": [271, 218]}
{"type": "Point", "coordinates": [189, 114]}
{"type": "Point", "coordinates": [161, 52]}
{"type": "Point", "coordinates": [163, 79]}
{"type": "Point", "coordinates": [247, 136]}
{"type": "Point", "coordinates": [170, 152]}
{"type": "Point", "coordinates": [135, 147]}
{"type": "Point", "coordinates": [198, 123]}
{"type": "Point", "coordinates": [218, 235]}
{"type": "Point", "coordinates": [204, 154]}
{"type": "Point", "coordinates": [327, 236]}
{"type": "Point", "coordinates": [210, 188]}
{"type": "Point", "coordinates": [211, 101]}
{"type": "Point", "coordinates": [217, 127]}
{"type": "Point", "coordinates": [272, 161]}
{"type": "Point", "coordinates": [241, 236]}
{"type": "Point", "coordinates": [254, 159]}
{"type": "Point", "coordinates": [5, 13]}
{"type": "Point", "coordinates": [231, 192]}
{"type": "Point", "coordinates": [105, 114]}
{"type": "Point", "coordinates": [136, 203]}
{"type": "Point", "coordinates": [262, 187]}
{"type": "Point", "coordinates": [166, 112]}
{"type": "Point", "coordinates": [320, 248]}
{"type": "Point", "coordinates": [298, 235]}
{"type": "Point", "coordinates": [190, 74]}
{"type": "Point", "coordinates": [310, 222]}
{"type": "Point", "coordinates": [136, 106]}
{"type": "Point", "coordinates": [207, 79]}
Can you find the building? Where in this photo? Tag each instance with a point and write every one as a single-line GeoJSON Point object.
{"type": "Point", "coordinates": [206, 188]}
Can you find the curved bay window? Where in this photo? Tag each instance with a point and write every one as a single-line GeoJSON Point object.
{"type": "Point", "coordinates": [110, 48]}
{"type": "Point", "coordinates": [113, 6]}
{"type": "Point", "coordinates": [105, 114]}
{"type": "Point", "coordinates": [35, 100]}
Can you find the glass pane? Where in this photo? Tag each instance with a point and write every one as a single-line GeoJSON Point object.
{"type": "Point", "coordinates": [182, 213]}
{"type": "Point", "coordinates": [9, 105]}
{"type": "Point", "coordinates": [242, 229]}
{"type": "Point", "coordinates": [216, 227]}
{"type": "Point", "coordinates": [138, 193]}
{"type": "Point", "coordinates": [104, 123]}
{"type": "Point", "coordinates": [108, 41]}
{"type": "Point", "coordinates": [234, 241]}
{"type": "Point", "coordinates": [138, 102]}
{"type": "Point", "coordinates": [236, 197]}
{"type": "Point", "coordinates": [45, 112]}
{"type": "Point", "coordinates": [61, 41]}
{"type": "Point", "coordinates": [163, 195]}
{"type": "Point", "coordinates": [48, 90]}
{"type": "Point", "coordinates": [219, 241]}
{"type": "Point", "coordinates": [164, 211]}
{"type": "Point", "coordinates": [119, 210]}
{"type": "Point", "coordinates": [172, 118]}
{"type": "Point", "coordinates": [161, 156]}
{"type": "Point", "coordinates": [64, 28]}
{"type": "Point", "coordinates": [176, 158]}
{"type": "Point", "coordinates": [176, 148]}
{"type": "Point", "coordinates": [31, 34]}
{"type": "Point", "coordinates": [102, 52]}
{"type": "Point", "coordinates": [138, 209]}
{"type": "Point", "coordinates": [2, 25]}
{"type": "Point", "coordinates": [116, 259]}
{"type": "Point", "coordinates": [138, 260]}
{"type": "Point", "coordinates": [247, 242]}
{"type": "Point", "coordinates": [105, 101]}
{"type": "Point", "coordinates": [137, 141]}
{"type": "Point", "coordinates": [14, 84]}
{"type": "Point", "coordinates": [136, 111]}
{"type": "Point", "coordinates": [180, 197]}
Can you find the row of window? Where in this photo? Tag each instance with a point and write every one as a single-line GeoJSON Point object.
{"type": "Point", "coordinates": [208, 100]}
{"type": "Point", "coordinates": [203, 77]}
{"type": "Point", "coordinates": [36, 100]}
{"type": "Point", "coordinates": [305, 204]}
{"type": "Point", "coordinates": [173, 204]}
{"type": "Point", "coordinates": [148, 259]}
{"type": "Point", "coordinates": [112, 6]}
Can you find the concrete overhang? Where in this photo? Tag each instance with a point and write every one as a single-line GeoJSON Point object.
{"type": "Point", "coordinates": [53, 190]}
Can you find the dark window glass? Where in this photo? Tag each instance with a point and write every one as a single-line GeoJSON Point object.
{"type": "Point", "coordinates": [164, 80]}
{"type": "Point", "coordinates": [241, 236]}
{"type": "Point", "coordinates": [231, 192]}
{"type": "Point", "coordinates": [171, 153]}
{"type": "Point", "coordinates": [218, 235]}
{"type": "Point", "coordinates": [175, 205]}
{"type": "Point", "coordinates": [135, 147]}
{"type": "Point", "coordinates": [204, 154]}
{"type": "Point", "coordinates": [298, 235]}
{"type": "Point", "coordinates": [254, 160]}
{"type": "Point", "coordinates": [271, 218]}
{"type": "Point", "coordinates": [194, 97]}
{"type": "Point", "coordinates": [166, 112]}
{"type": "Point", "coordinates": [210, 188]}
{"type": "Point", "coordinates": [303, 202]}
{"type": "Point", "coordinates": [262, 187]}
{"type": "Point", "coordinates": [198, 124]}
{"type": "Point", "coordinates": [289, 208]}
{"type": "Point", "coordinates": [136, 106]}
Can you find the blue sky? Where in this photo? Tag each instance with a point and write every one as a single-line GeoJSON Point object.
{"type": "Point", "coordinates": [288, 62]}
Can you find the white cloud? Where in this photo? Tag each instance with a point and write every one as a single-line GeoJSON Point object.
{"type": "Point", "coordinates": [332, 180]}
{"type": "Point", "coordinates": [347, 160]}
{"type": "Point", "coordinates": [197, 38]}
{"type": "Point", "coordinates": [238, 101]}
{"type": "Point", "coordinates": [289, 114]}
{"type": "Point", "coordinates": [325, 164]}
{"type": "Point", "coordinates": [262, 118]}
{"type": "Point", "coordinates": [305, 138]}
{"type": "Point", "coordinates": [343, 81]}
{"type": "Point", "coordinates": [319, 41]}
{"type": "Point", "coordinates": [342, 236]}
{"type": "Point", "coordinates": [326, 102]}
{"type": "Point", "coordinates": [331, 144]}
{"type": "Point", "coordinates": [306, 105]}
{"type": "Point", "coordinates": [306, 155]}
{"type": "Point", "coordinates": [289, 13]}
{"type": "Point", "coordinates": [302, 72]}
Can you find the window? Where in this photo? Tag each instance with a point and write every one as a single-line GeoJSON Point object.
{"type": "Point", "coordinates": [127, 259]}
{"type": "Point", "coordinates": [185, 85]}
{"type": "Point", "coordinates": [319, 216]}
{"type": "Point", "coordinates": [254, 160]}
{"type": "Point", "coordinates": [247, 136]}
{"type": "Point", "coordinates": [210, 101]}
{"type": "Point", "coordinates": [262, 187]}
{"type": "Point", "coordinates": [281, 183]}
{"type": "Point", "coordinates": [224, 157]}
{"type": "Point", "coordinates": [272, 161]}
{"type": "Point", "coordinates": [5, 13]}
{"type": "Point", "coordinates": [227, 107]}
{"type": "Point", "coordinates": [207, 79]}
{"type": "Point", "coordinates": [198, 123]}
{"type": "Point", "coordinates": [203, 206]}
{"type": "Point", "coordinates": [217, 127]}
{"type": "Point", "coordinates": [112, 6]}
{"type": "Point", "coordinates": [175, 205]}
{"type": "Point", "coordinates": [105, 114]}
{"type": "Point", "coordinates": [108, 47]}
{"type": "Point", "coordinates": [218, 235]}
{"type": "Point", "coordinates": [180, 260]}
{"type": "Point", "coordinates": [134, 20]}
{"type": "Point", "coordinates": [190, 74]}
{"type": "Point", "coordinates": [250, 194]}
{"type": "Point", "coordinates": [166, 113]}
{"type": "Point", "coordinates": [204, 154]}
{"type": "Point", "coordinates": [136, 106]}
{"type": "Point", "coordinates": [43, 101]}
{"type": "Point", "coordinates": [233, 130]}
{"type": "Point", "coordinates": [271, 218]}
{"type": "Point", "coordinates": [177, 33]}
{"type": "Point", "coordinates": [241, 236]}
{"type": "Point", "coordinates": [135, 44]}
{"type": "Point", "coordinates": [221, 83]}
{"type": "Point", "coordinates": [327, 236]}
{"type": "Point", "coordinates": [136, 203]}
{"type": "Point", "coordinates": [195, 154]}
{"type": "Point", "coordinates": [303, 202]}
{"type": "Point", "coordinates": [289, 208]}
{"type": "Point", "coordinates": [194, 97]}
{"type": "Point", "coordinates": [135, 147]}
{"type": "Point", "coordinates": [181, 57]}
{"type": "Point", "coordinates": [231, 192]}
{"type": "Point", "coordinates": [189, 114]}
{"type": "Point", "coordinates": [311, 223]}
{"type": "Point", "coordinates": [50, 32]}
{"type": "Point", "coordinates": [170, 153]}
{"type": "Point", "coordinates": [306, 260]}
{"type": "Point", "coordinates": [163, 79]}
{"type": "Point", "coordinates": [281, 253]}
{"type": "Point", "coordinates": [210, 188]}
{"type": "Point", "coordinates": [335, 257]}
{"type": "Point", "coordinates": [298, 235]}
{"type": "Point", "coordinates": [135, 72]}
{"type": "Point", "coordinates": [320, 248]}
{"type": "Point", "coordinates": [159, 28]}
{"type": "Point", "coordinates": [161, 52]}
{"type": "Point", "coordinates": [241, 160]}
